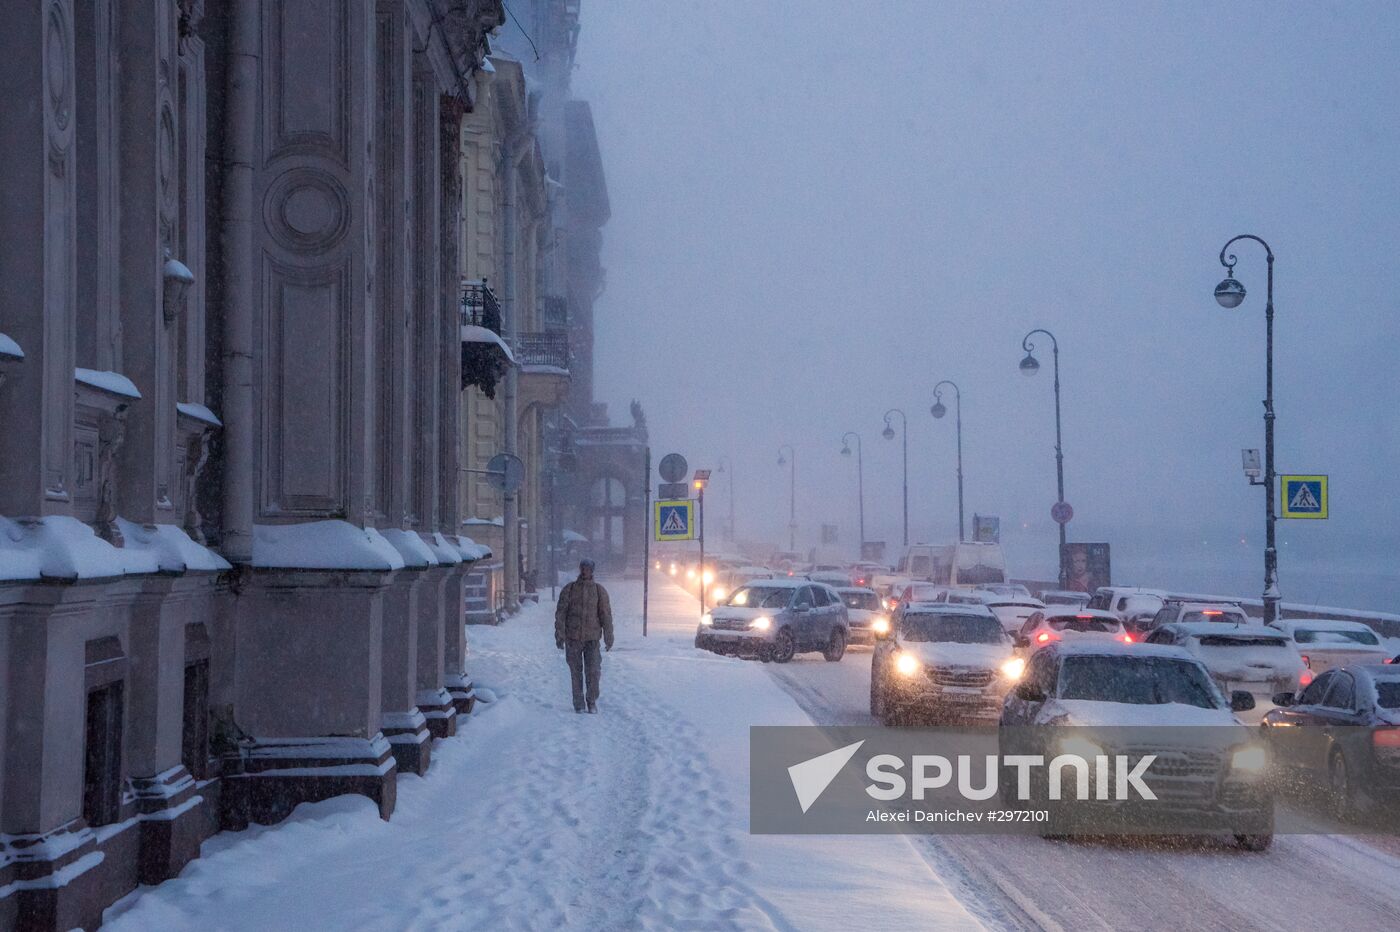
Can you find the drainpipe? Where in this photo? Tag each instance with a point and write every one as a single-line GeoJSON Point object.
{"type": "Point", "coordinates": [236, 409]}
{"type": "Point", "coordinates": [510, 158]}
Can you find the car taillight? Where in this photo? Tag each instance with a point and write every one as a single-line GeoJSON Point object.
{"type": "Point", "coordinates": [1306, 662]}
{"type": "Point", "coordinates": [1386, 737]}
{"type": "Point", "coordinates": [1043, 636]}
{"type": "Point", "coordinates": [1211, 613]}
{"type": "Point", "coordinates": [1388, 660]}
{"type": "Point", "coordinates": [1126, 638]}
{"type": "Point", "coordinates": [1305, 678]}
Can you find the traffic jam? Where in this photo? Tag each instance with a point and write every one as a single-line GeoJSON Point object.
{"type": "Point", "coordinates": [954, 641]}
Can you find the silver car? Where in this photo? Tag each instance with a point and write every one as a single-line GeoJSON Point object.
{"type": "Point", "coordinates": [775, 619]}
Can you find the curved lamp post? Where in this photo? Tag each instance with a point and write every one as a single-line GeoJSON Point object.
{"type": "Point", "coordinates": [1230, 294]}
{"type": "Point", "coordinates": [888, 434]}
{"type": "Point", "coordinates": [1030, 366]}
{"type": "Point", "coordinates": [860, 479]}
{"type": "Point", "coordinates": [724, 464]}
{"type": "Point", "coordinates": [938, 410]}
{"type": "Point", "coordinates": [791, 462]}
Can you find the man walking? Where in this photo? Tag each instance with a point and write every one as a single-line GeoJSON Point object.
{"type": "Point", "coordinates": [582, 616]}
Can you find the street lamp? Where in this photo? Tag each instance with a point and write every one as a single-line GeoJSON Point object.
{"type": "Point", "coordinates": [1230, 294]}
{"type": "Point", "coordinates": [1030, 366]}
{"type": "Point", "coordinates": [938, 410]}
{"type": "Point", "coordinates": [791, 462]}
{"type": "Point", "coordinates": [724, 462]}
{"type": "Point", "coordinates": [888, 434]}
{"type": "Point", "coordinates": [860, 480]}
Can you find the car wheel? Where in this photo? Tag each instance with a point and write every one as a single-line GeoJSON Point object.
{"type": "Point", "coordinates": [837, 648]}
{"type": "Point", "coordinates": [1258, 842]}
{"type": "Point", "coordinates": [1347, 802]}
{"type": "Point", "coordinates": [784, 647]}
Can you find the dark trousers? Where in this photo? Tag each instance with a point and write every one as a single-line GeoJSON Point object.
{"type": "Point", "coordinates": [585, 660]}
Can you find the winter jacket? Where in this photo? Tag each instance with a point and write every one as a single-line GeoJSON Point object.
{"type": "Point", "coordinates": [583, 613]}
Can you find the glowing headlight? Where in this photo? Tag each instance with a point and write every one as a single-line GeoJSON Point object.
{"type": "Point", "coordinates": [707, 619]}
{"type": "Point", "coordinates": [1080, 747]}
{"type": "Point", "coordinates": [718, 592]}
{"type": "Point", "coordinates": [761, 623]}
{"type": "Point", "coordinates": [907, 664]}
{"type": "Point", "coordinates": [690, 573]}
{"type": "Point", "coordinates": [1250, 759]}
{"type": "Point", "coordinates": [881, 625]}
{"type": "Point", "coordinates": [1013, 668]}
{"type": "Point", "coordinates": [673, 569]}
{"type": "Point", "coordinates": [709, 577]}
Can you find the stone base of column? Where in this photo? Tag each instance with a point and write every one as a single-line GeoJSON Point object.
{"type": "Point", "coordinates": [175, 818]}
{"type": "Point", "coordinates": [410, 741]}
{"type": "Point", "coordinates": [272, 776]}
{"type": "Point", "coordinates": [440, 711]}
{"type": "Point", "coordinates": [459, 687]}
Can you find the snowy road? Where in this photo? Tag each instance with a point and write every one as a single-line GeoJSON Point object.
{"type": "Point", "coordinates": [1026, 882]}
{"type": "Point", "coordinates": [537, 818]}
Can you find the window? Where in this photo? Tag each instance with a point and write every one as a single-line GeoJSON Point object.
{"type": "Point", "coordinates": [1161, 637]}
{"type": "Point", "coordinates": [1042, 673]}
{"type": "Point", "coordinates": [819, 597]}
{"type": "Point", "coordinates": [102, 756]}
{"type": "Point", "coordinates": [194, 738]}
{"type": "Point", "coordinates": [1316, 690]}
{"type": "Point", "coordinates": [804, 598]}
{"type": "Point", "coordinates": [1342, 695]}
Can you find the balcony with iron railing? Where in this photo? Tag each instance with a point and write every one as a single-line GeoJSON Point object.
{"type": "Point", "coordinates": [485, 356]}
{"type": "Point", "coordinates": [479, 305]}
{"type": "Point", "coordinates": [548, 348]}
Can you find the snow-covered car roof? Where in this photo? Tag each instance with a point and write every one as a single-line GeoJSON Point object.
{"type": "Point", "coordinates": [993, 599]}
{"type": "Point", "coordinates": [1195, 605]}
{"type": "Point", "coordinates": [1065, 593]}
{"type": "Point", "coordinates": [1289, 625]}
{"type": "Point", "coordinates": [1377, 671]}
{"type": "Point", "coordinates": [863, 590]}
{"type": "Point", "coordinates": [1083, 613]}
{"type": "Point", "coordinates": [753, 569]}
{"type": "Point", "coordinates": [783, 582]}
{"type": "Point", "coordinates": [1131, 590]}
{"type": "Point", "coordinates": [947, 608]}
{"type": "Point", "coordinates": [1218, 628]}
{"type": "Point", "coordinates": [1078, 648]}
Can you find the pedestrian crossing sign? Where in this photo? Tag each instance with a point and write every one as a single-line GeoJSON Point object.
{"type": "Point", "coordinates": [1304, 496]}
{"type": "Point", "coordinates": [675, 520]}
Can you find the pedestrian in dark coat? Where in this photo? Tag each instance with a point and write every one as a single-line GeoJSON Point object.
{"type": "Point", "coordinates": [582, 616]}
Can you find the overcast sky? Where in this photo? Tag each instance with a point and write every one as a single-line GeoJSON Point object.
{"type": "Point", "coordinates": [820, 209]}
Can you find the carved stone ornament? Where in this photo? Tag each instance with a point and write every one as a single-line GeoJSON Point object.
{"type": "Point", "coordinates": [111, 432]}
{"type": "Point", "coordinates": [177, 279]}
{"type": "Point", "coordinates": [196, 455]}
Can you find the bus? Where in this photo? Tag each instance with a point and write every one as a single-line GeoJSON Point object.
{"type": "Point", "coordinates": [966, 564]}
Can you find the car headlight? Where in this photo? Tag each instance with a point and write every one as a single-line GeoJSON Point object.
{"type": "Point", "coordinates": [673, 569]}
{"type": "Point", "coordinates": [907, 664]}
{"type": "Point", "coordinates": [1080, 747]}
{"type": "Point", "coordinates": [719, 593]}
{"type": "Point", "coordinates": [708, 577]}
{"type": "Point", "coordinates": [690, 574]}
{"type": "Point", "coordinates": [881, 625]}
{"type": "Point", "coordinates": [1249, 760]}
{"type": "Point", "coordinates": [761, 623]}
{"type": "Point", "coordinates": [707, 619]}
{"type": "Point", "coordinates": [1013, 668]}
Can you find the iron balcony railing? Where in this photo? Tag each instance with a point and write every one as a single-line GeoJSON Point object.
{"type": "Point", "coordinates": [479, 305]}
{"type": "Point", "coordinates": [550, 348]}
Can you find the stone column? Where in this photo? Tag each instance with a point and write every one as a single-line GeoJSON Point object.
{"type": "Point", "coordinates": [37, 211]}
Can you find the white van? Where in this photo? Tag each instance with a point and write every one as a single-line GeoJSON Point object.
{"type": "Point", "coordinates": [966, 564]}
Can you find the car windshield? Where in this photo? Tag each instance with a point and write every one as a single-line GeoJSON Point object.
{"type": "Point", "coordinates": [1211, 614]}
{"type": "Point", "coordinates": [1075, 623]}
{"type": "Point", "coordinates": [761, 597]}
{"type": "Point", "coordinates": [959, 629]}
{"type": "Point", "coordinates": [865, 601]}
{"type": "Point", "coordinates": [1137, 681]}
{"type": "Point", "coordinates": [1334, 636]}
{"type": "Point", "coordinates": [1388, 694]}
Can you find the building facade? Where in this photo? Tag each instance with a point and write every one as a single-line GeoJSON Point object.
{"type": "Point", "coordinates": [233, 345]}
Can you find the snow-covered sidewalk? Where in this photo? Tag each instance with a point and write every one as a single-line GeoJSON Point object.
{"type": "Point", "coordinates": [534, 817]}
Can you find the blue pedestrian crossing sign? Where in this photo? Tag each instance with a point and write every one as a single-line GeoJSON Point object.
{"type": "Point", "coordinates": [675, 520]}
{"type": "Point", "coordinates": [1304, 496]}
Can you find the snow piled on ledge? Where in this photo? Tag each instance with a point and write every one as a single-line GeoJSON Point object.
{"type": "Point", "coordinates": [173, 549]}
{"type": "Point", "coordinates": [61, 547]}
{"type": "Point", "coordinates": [322, 545]}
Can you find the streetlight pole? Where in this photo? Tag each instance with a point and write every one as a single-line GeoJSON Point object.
{"type": "Point", "coordinates": [1230, 293]}
{"type": "Point", "coordinates": [791, 462]}
{"type": "Point", "coordinates": [1030, 366]}
{"type": "Point", "coordinates": [888, 434]}
{"type": "Point", "coordinates": [724, 464]}
{"type": "Point", "coordinates": [938, 410]}
{"type": "Point", "coordinates": [860, 480]}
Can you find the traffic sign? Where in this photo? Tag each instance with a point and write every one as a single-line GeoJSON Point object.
{"type": "Point", "coordinates": [675, 520]}
{"type": "Point", "coordinates": [1061, 512]}
{"type": "Point", "coordinates": [1304, 496]}
{"type": "Point", "coordinates": [673, 467]}
{"type": "Point", "coordinates": [507, 472]}
{"type": "Point", "coordinates": [672, 490]}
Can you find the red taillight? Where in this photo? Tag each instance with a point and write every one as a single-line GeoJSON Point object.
{"type": "Point", "coordinates": [1209, 612]}
{"type": "Point", "coordinates": [1127, 638]}
{"type": "Point", "coordinates": [1085, 617]}
{"type": "Point", "coordinates": [1388, 660]}
{"type": "Point", "coordinates": [1305, 678]}
{"type": "Point", "coordinates": [1306, 662]}
{"type": "Point", "coordinates": [1043, 636]}
{"type": "Point", "coordinates": [1386, 737]}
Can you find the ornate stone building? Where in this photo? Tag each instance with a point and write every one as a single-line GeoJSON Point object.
{"type": "Point", "coordinates": [231, 368]}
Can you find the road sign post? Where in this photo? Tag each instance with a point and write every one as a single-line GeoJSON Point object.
{"type": "Point", "coordinates": [646, 545]}
{"type": "Point", "coordinates": [1303, 497]}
